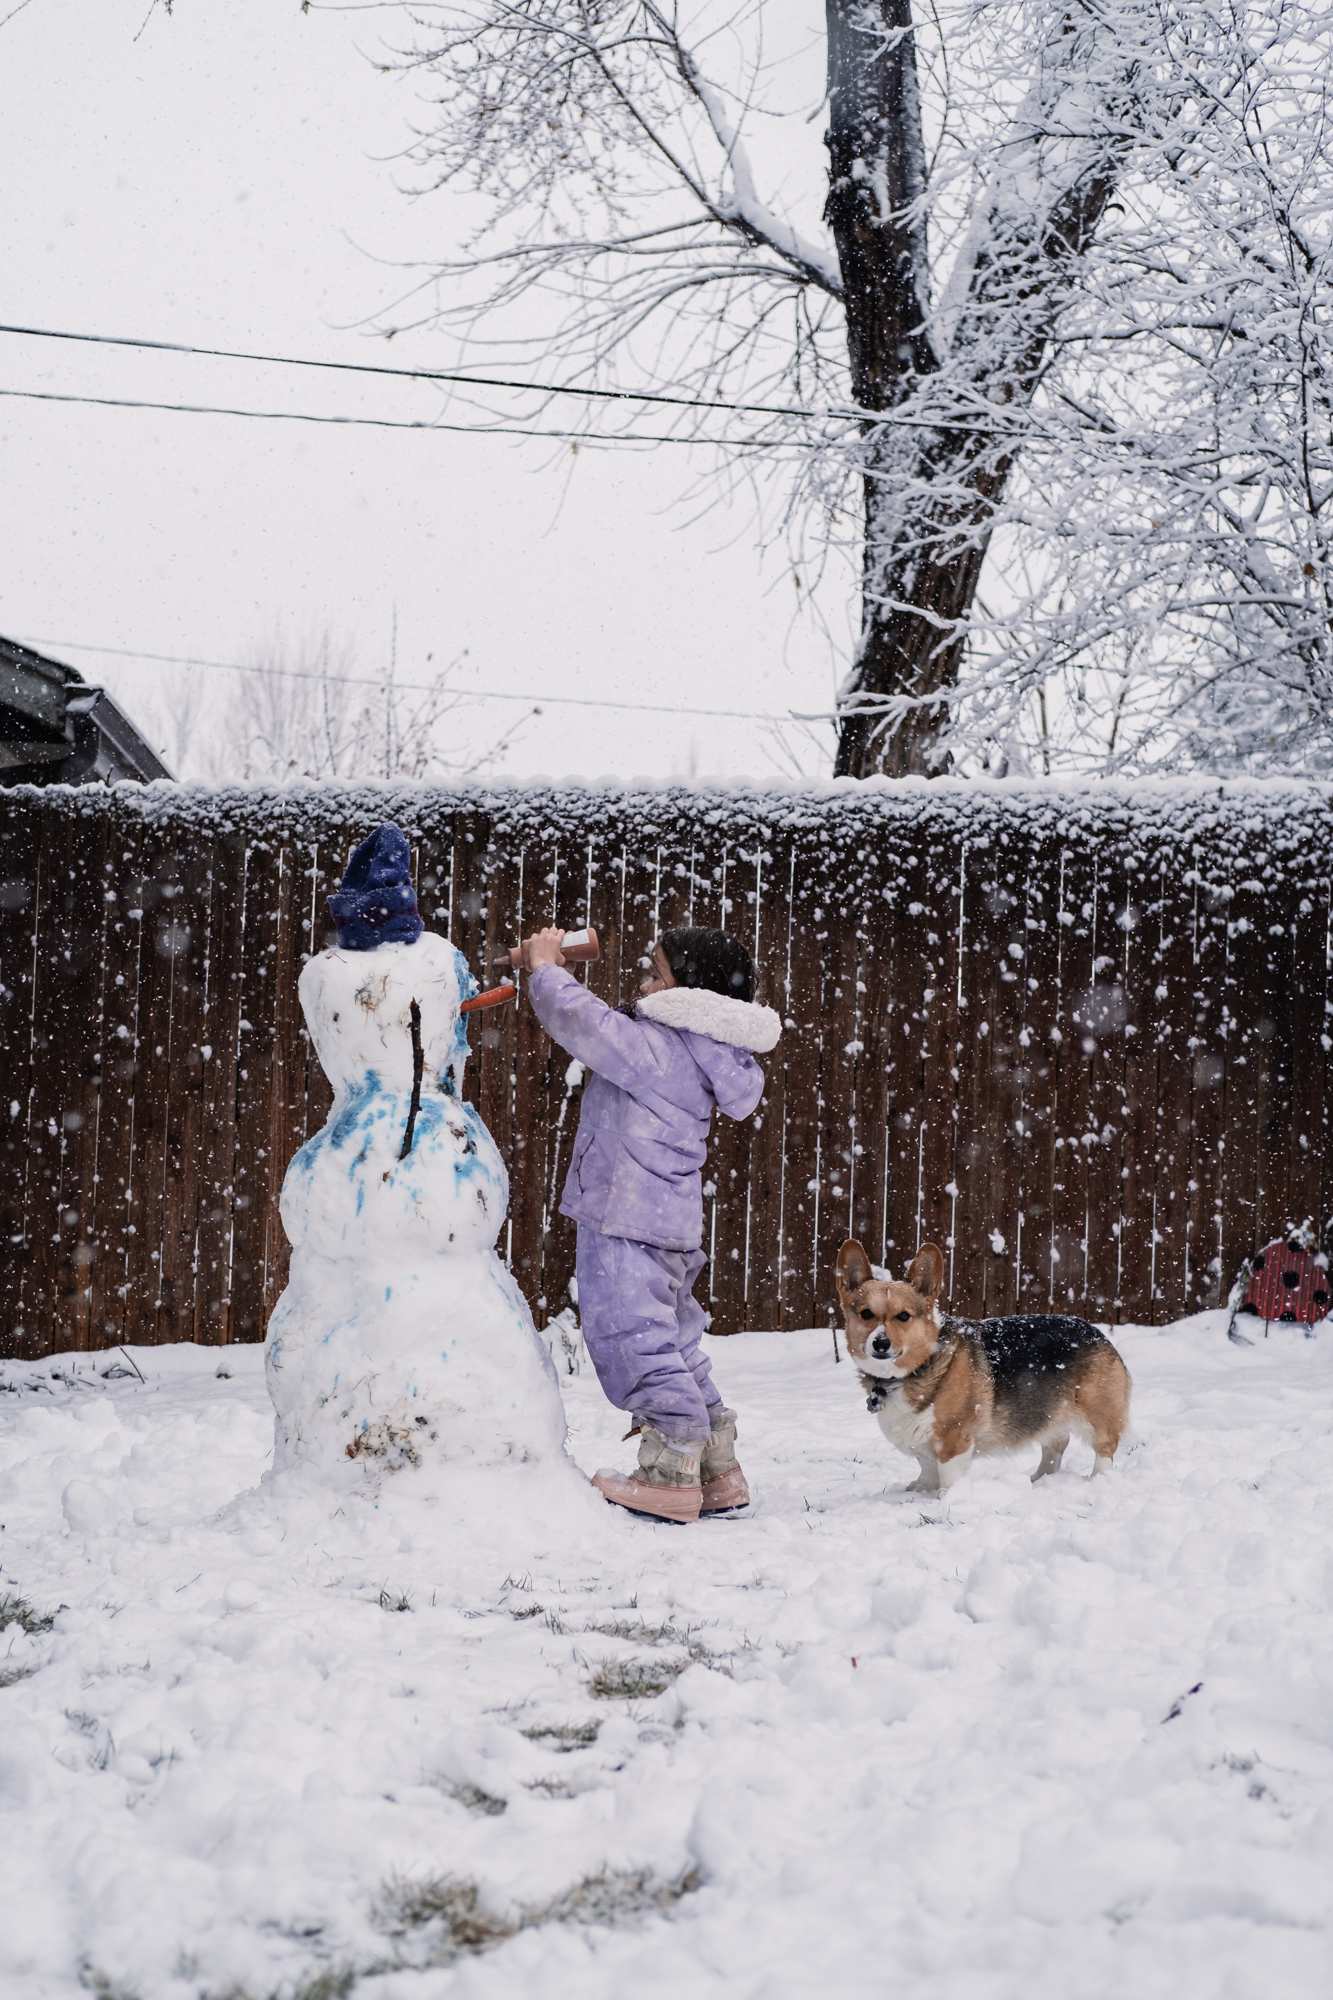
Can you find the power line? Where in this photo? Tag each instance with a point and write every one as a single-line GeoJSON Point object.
{"type": "Point", "coordinates": [408, 687]}
{"type": "Point", "coordinates": [383, 423]}
{"type": "Point", "coordinates": [879, 419]}
{"type": "Point", "coordinates": [420, 374]}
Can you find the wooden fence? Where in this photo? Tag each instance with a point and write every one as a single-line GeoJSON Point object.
{"type": "Point", "coordinates": [1080, 1037]}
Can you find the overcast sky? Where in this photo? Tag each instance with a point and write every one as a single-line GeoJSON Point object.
{"type": "Point", "coordinates": [228, 178]}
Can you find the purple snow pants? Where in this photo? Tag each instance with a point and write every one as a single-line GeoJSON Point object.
{"type": "Point", "coordinates": [643, 1325]}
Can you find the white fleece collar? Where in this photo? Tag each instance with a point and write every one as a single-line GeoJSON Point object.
{"type": "Point", "coordinates": [743, 1024]}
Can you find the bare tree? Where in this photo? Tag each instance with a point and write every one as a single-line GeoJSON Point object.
{"type": "Point", "coordinates": [175, 717]}
{"type": "Point", "coordinates": [1015, 270]}
{"type": "Point", "coordinates": [307, 708]}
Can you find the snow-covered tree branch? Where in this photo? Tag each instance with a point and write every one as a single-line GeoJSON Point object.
{"type": "Point", "coordinates": [1042, 330]}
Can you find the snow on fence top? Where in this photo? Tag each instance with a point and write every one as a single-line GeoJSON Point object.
{"type": "Point", "coordinates": [1279, 821]}
{"type": "Point", "coordinates": [1079, 1034]}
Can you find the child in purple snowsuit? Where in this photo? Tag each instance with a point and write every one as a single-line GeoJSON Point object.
{"type": "Point", "coordinates": [634, 1188]}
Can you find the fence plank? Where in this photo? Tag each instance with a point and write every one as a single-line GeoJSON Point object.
{"type": "Point", "coordinates": [286, 1078]}
{"type": "Point", "coordinates": [152, 1054]}
{"type": "Point", "coordinates": [185, 937]}
{"type": "Point", "coordinates": [806, 1286]}
{"type": "Point", "coordinates": [497, 884]}
{"type": "Point", "coordinates": [763, 1254]}
{"type": "Point", "coordinates": [1071, 1078]}
{"type": "Point", "coordinates": [1167, 1021]}
{"type": "Point", "coordinates": [62, 1028]}
{"type": "Point", "coordinates": [1322, 1079]}
{"type": "Point", "coordinates": [735, 1142]}
{"type": "Point", "coordinates": [125, 1077]}
{"type": "Point", "coordinates": [1135, 1182]}
{"type": "Point", "coordinates": [909, 1088]}
{"type": "Point", "coordinates": [970, 1222]}
{"type": "Point", "coordinates": [999, 1024]}
{"type": "Point", "coordinates": [1038, 1082]}
{"type": "Point", "coordinates": [1102, 1020]}
{"type": "Point", "coordinates": [545, 1114]}
{"type": "Point", "coordinates": [1247, 1046]}
{"type": "Point", "coordinates": [784, 1068]}
{"type": "Point", "coordinates": [20, 926]}
{"type": "Point", "coordinates": [219, 1051]}
{"type": "Point", "coordinates": [328, 869]}
{"type": "Point", "coordinates": [253, 1180]}
{"type": "Point", "coordinates": [871, 1025]}
{"type": "Point", "coordinates": [1304, 1024]}
{"type": "Point", "coordinates": [945, 892]}
{"type": "Point", "coordinates": [1276, 1070]}
{"type": "Point", "coordinates": [86, 1179]}
{"type": "Point", "coordinates": [1209, 1273]}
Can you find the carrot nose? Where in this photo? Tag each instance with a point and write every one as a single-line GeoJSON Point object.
{"type": "Point", "coordinates": [494, 996]}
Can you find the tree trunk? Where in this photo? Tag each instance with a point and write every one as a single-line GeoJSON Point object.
{"type": "Point", "coordinates": [921, 565]}
{"type": "Point", "coordinates": [911, 646]}
{"type": "Point", "coordinates": [931, 494]}
{"type": "Point", "coordinates": [876, 183]}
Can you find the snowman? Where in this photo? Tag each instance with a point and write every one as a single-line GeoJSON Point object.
{"type": "Point", "coordinates": [401, 1340]}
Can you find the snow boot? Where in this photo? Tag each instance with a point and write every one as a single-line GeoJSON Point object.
{"type": "Point", "coordinates": [666, 1484]}
{"type": "Point", "coordinates": [721, 1478]}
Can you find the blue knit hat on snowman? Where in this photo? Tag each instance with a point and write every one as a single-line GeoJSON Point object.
{"type": "Point", "coordinates": [377, 903]}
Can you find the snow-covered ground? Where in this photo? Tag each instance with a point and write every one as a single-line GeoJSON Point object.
{"type": "Point", "coordinates": [1073, 1739]}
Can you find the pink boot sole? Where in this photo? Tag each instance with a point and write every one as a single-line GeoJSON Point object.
{"type": "Point", "coordinates": [641, 1496]}
{"type": "Point", "coordinates": [726, 1492]}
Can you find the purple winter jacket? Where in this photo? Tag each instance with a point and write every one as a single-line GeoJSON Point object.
{"type": "Point", "coordinates": [648, 1102]}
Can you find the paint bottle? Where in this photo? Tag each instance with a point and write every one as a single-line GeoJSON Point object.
{"type": "Point", "coordinates": [578, 948]}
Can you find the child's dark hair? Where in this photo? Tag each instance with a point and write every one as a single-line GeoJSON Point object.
{"type": "Point", "coordinates": [710, 959]}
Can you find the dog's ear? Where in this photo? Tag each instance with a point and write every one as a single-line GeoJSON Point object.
{"type": "Point", "coordinates": [853, 1267]}
{"type": "Point", "coordinates": [925, 1273]}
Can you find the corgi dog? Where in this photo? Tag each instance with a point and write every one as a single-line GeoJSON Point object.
{"type": "Point", "coordinates": [945, 1388]}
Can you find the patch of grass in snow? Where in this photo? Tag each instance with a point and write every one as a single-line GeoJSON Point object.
{"type": "Point", "coordinates": [103, 1987]}
{"type": "Point", "coordinates": [616, 1896]}
{"type": "Point", "coordinates": [332, 1983]}
{"type": "Point", "coordinates": [1244, 1768]}
{"type": "Point", "coordinates": [452, 1908]}
{"type": "Point", "coordinates": [329, 1985]}
{"type": "Point", "coordinates": [475, 1800]}
{"type": "Point", "coordinates": [395, 1600]}
{"type": "Point", "coordinates": [563, 1736]}
{"type": "Point", "coordinates": [10, 1676]}
{"type": "Point", "coordinates": [15, 1610]}
{"type": "Point", "coordinates": [554, 1622]}
{"type": "Point", "coordinates": [663, 1634]}
{"type": "Point", "coordinates": [98, 1735]}
{"type": "Point", "coordinates": [446, 1901]}
{"type": "Point", "coordinates": [628, 1680]}
{"type": "Point", "coordinates": [551, 1619]}
{"type": "Point", "coordinates": [40, 1384]}
{"type": "Point", "coordinates": [633, 1680]}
